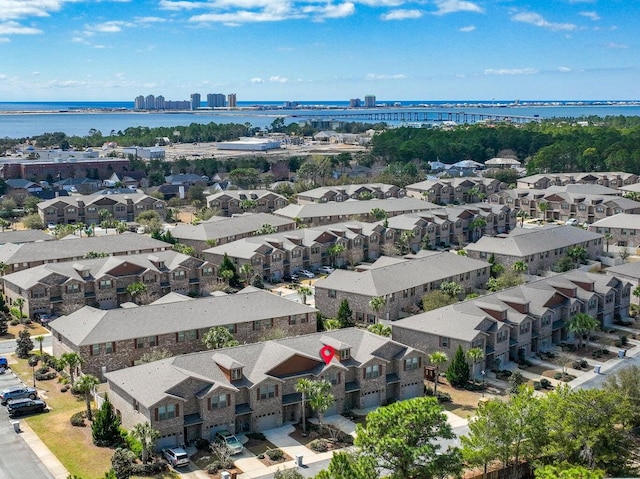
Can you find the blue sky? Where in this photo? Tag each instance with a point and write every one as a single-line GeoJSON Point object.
{"type": "Point", "coordinates": [320, 49]}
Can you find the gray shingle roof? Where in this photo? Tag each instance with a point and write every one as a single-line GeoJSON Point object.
{"type": "Point", "coordinates": [392, 277]}
{"type": "Point", "coordinates": [354, 207]}
{"type": "Point", "coordinates": [62, 250]}
{"type": "Point", "coordinates": [226, 227]}
{"type": "Point", "coordinates": [524, 242]}
{"type": "Point", "coordinates": [24, 236]}
{"type": "Point", "coordinates": [92, 326]}
{"type": "Point", "coordinates": [621, 220]}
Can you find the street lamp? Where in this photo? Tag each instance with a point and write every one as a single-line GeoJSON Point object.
{"type": "Point", "coordinates": [483, 372]}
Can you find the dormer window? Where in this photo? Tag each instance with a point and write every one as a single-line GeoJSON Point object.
{"type": "Point", "coordinates": [236, 374]}
{"type": "Point", "coordinates": [345, 354]}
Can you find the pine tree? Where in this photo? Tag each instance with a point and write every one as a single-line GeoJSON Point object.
{"type": "Point", "coordinates": [105, 428]}
{"type": "Point", "coordinates": [24, 344]}
{"type": "Point", "coordinates": [227, 265]}
{"type": "Point", "coordinates": [458, 372]}
{"type": "Point", "coordinates": [3, 323]}
{"type": "Point", "coordinates": [345, 315]}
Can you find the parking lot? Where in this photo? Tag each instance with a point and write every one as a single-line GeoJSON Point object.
{"type": "Point", "coordinates": [17, 460]}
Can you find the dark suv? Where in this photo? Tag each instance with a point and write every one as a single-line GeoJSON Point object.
{"type": "Point", "coordinates": [19, 407]}
{"type": "Point", "coordinates": [17, 392]}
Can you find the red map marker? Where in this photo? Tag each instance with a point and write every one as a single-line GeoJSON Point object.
{"type": "Point", "coordinates": [327, 353]}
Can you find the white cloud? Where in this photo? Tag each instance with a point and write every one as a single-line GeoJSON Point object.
{"type": "Point", "coordinates": [510, 71]}
{"type": "Point", "coordinates": [150, 20]}
{"type": "Point", "coordinates": [564, 69]}
{"type": "Point", "coordinates": [182, 5]}
{"type": "Point", "coordinates": [15, 9]}
{"type": "Point", "coordinates": [539, 21]}
{"type": "Point", "coordinates": [375, 76]}
{"type": "Point", "coordinates": [616, 45]}
{"type": "Point", "coordinates": [256, 80]}
{"type": "Point", "coordinates": [113, 26]}
{"type": "Point", "coordinates": [453, 6]}
{"type": "Point", "coordinates": [381, 3]}
{"type": "Point", "coordinates": [468, 28]}
{"type": "Point", "coordinates": [401, 14]}
{"type": "Point", "coordinates": [592, 15]}
{"type": "Point", "coordinates": [14, 28]}
{"type": "Point", "coordinates": [278, 79]}
{"type": "Point", "coordinates": [3, 76]}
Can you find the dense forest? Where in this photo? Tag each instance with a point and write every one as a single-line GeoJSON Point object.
{"type": "Point", "coordinates": [594, 144]}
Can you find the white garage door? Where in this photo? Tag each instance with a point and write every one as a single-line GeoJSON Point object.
{"type": "Point", "coordinates": [266, 421]}
{"type": "Point", "coordinates": [371, 399]}
{"type": "Point", "coordinates": [412, 390]}
{"type": "Point", "coordinates": [165, 442]}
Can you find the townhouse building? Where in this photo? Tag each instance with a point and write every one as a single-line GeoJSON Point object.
{"type": "Point", "coordinates": [109, 340]}
{"type": "Point", "coordinates": [629, 272]}
{"type": "Point", "coordinates": [102, 282]}
{"type": "Point", "coordinates": [221, 230]}
{"type": "Point", "coordinates": [366, 191]}
{"type": "Point", "coordinates": [24, 236]}
{"type": "Point", "coordinates": [319, 214]}
{"type": "Point", "coordinates": [540, 248]}
{"type": "Point", "coordinates": [611, 179]}
{"type": "Point", "coordinates": [17, 257]}
{"type": "Point", "coordinates": [277, 255]}
{"type": "Point", "coordinates": [446, 191]}
{"type": "Point", "coordinates": [586, 203]}
{"type": "Point", "coordinates": [516, 322]}
{"type": "Point", "coordinates": [622, 229]}
{"type": "Point", "coordinates": [231, 202]}
{"type": "Point", "coordinates": [399, 282]}
{"type": "Point", "coordinates": [253, 387]}
{"type": "Point", "coordinates": [93, 209]}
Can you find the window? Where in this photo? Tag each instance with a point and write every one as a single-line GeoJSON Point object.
{"type": "Point", "coordinates": [73, 288]}
{"type": "Point", "coordinates": [105, 284]}
{"type": "Point", "coordinates": [411, 364]}
{"type": "Point", "coordinates": [345, 354]}
{"type": "Point", "coordinates": [372, 372]}
{"type": "Point", "coordinates": [166, 412]}
{"type": "Point", "coordinates": [293, 319]}
{"type": "Point", "coordinates": [444, 342]}
{"type": "Point", "coordinates": [109, 348]}
{"type": "Point", "coordinates": [236, 374]}
{"type": "Point", "coordinates": [219, 401]}
{"type": "Point", "coordinates": [39, 293]}
{"type": "Point", "coordinates": [232, 328]}
{"type": "Point", "coordinates": [262, 324]}
{"type": "Point", "coordinates": [179, 274]}
{"type": "Point", "coordinates": [333, 377]}
{"type": "Point", "coordinates": [149, 279]}
{"type": "Point", "coordinates": [524, 327]}
{"type": "Point", "coordinates": [267, 392]}
{"type": "Point", "coordinates": [332, 293]}
{"type": "Point", "coordinates": [139, 343]}
{"type": "Point", "coordinates": [153, 341]}
{"type": "Point", "coordinates": [371, 318]}
{"type": "Point", "coordinates": [95, 350]}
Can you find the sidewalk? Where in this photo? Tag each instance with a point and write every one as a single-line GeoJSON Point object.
{"type": "Point", "coordinates": [50, 461]}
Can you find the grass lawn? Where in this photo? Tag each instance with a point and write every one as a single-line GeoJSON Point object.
{"type": "Point", "coordinates": [35, 329]}
{"type": "Point", "coordinates": [73, 446]}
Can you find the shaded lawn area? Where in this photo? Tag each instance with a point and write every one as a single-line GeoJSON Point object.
{"type": "Point", "coordinates": [34, 329]}
{"type": "Point", "coordinates": [257, 447]}
{"type": "Point", "coordinates": [73, 446]}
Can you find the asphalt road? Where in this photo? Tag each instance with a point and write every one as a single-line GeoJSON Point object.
{"type": "Point", "coordinates": [17, 460]}
{"type": "Point", "coordinates": [9, 347]}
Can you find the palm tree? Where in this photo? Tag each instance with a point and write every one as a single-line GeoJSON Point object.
{"type": "Point", "coordinates": [4, 224]}
{"type": "Point", "coordinates": [20, 304]}
{"type": "Point", "coordinates": [218, 337]}
{"type": "Point", "coordinates": [636, 292]}
{"type": "Point", "coordinates": [404, 240]}
{"type": "Point", "coordinates": [437, 358]}
{"type": "Point", "coordinates": [608, 238]}
{"type": "Point", "coordinates": [475, 355]}
{"type": "Point", "coordinates": [246, 270]}
{"type": "Point", "coordinates": [40, 339]}
{"type": "Point", "coordinates": [3, 267]}
{"type": "Point", "coordinates": [582, 324]}
{"type": "Point", "coordinates": [147, 436]}
{"type": "Point", "coordinates": [523, 215]}
{"type": "Point", "coordinates": [380, 329]}
{"type": "Point", "coordinates": [227, 275]}
{"type": "Point", "coordinates": [578, 254]}
{"type": "Point", "coordinates": [331, 324]}
{"type": "Point", "coordinates": [73, 361]}
{"type": "Point", "coordinates": [304, 291]}
{"type": "Point", "coordinates": [473, 193]}
{"type": "Point", "coordinates": [543, 207]}
{"type": "Point", "coordinates": [305, 387]}
{"type": "Point", "coordinates": [334, 251]}
{"type": "Point", "coordinates": [85, 385]}
{"type": "Point", "coordinates": [477, 225]}
{"type": "Point", "coordinates": [136, 289]}
{"type": "Point", "coordinates": [377, 303]}
{"type": "Point", "coordinates": [321, 399]}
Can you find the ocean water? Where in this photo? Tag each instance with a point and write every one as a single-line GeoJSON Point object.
{"type": "Point", "coordinates": [25, 119]}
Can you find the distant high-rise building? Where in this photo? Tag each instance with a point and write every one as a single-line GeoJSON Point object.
{"type": "Point", "coordinates": [216, 100]}
{"type": "Point", "coordinates": [160, 103]}
{"type": "Point", "coordinates": [232, 100]}
{"type": "Point", "coordinates": [355, 103]}
{"type": "Point", "coordinates": [150, 102]}
{"type": "Point", "coordinates": [370, 101]}
{"type": "Point", "coordinates": [196, 101]}
{"type": "Point", "coordinates": [138, 103]}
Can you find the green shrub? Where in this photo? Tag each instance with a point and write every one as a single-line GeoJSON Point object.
{"type": "Point", "coordinates": [14, 322]}
{"type": "Point", "coordinates": [319, 445]}
{"type": "Point", "coordinates": [202, 444]}
{"type": "Point", "coordinates": [624, 340]}
{"type": "Point", "coordinates": [545, 383]}
{"type": "Point", "coordinates": [260, 456]}
{"type": "Point", "coordinates": [132, 443]}
{"type": "Point", "coordinates": [537, 386]}
{"type": "Point", "coordinates": [275, 454]}
{"type": "Point", "coordinates": [584, 364]}
{"type": "Point", "coordinates": [77, 419]}
{"type": "Point", "coordinates": [557, 375]}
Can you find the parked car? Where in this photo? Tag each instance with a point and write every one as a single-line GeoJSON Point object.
{"type": "Point", "coordinates": [20, 407]}
{"type": "Point", "coordinates": [571, 222]}
{"type": "Point", "coordinates": [176, 456]}
{"type": "Point", "coordinates": [17, 392]}
{"type": "Point", "coordinates": [306, 273]}
{"type": "Point", "coordinates": [228, 439]}
{"type": "Point", "coordinates": [325, 270]}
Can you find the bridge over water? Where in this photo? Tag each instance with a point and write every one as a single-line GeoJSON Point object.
{"type": "Point", "coordinates": [417, 116]}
